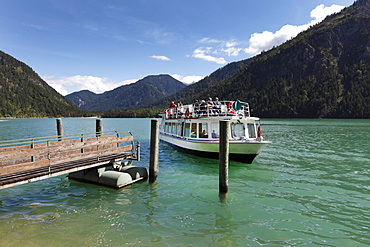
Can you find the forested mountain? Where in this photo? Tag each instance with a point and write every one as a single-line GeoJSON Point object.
{"type": "Point", "coordinates": [188, 93]}
{"type": "Point", "coordinates": [82, 97]}
{"type": "Point", "coordinates": [323, 72]}
{"type": "Point", "coordinates": [24, 94]}
{"type": "Point", "coordinates": [192, 90]}
{"type": "Point", "coordinates": [142, 92]}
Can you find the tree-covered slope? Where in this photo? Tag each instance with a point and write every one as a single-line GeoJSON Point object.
{"type": "Point", "coordinates": [323, 72]}
{"type": "Point", "coordinates": [187, 94]}
{"type": "Point", "coordinates": [82, 97]}
{"type": "Point", "coordinates": [24, 94]}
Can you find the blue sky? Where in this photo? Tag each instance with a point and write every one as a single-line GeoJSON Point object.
{"type": "Point", "coordinates": [101, 44]}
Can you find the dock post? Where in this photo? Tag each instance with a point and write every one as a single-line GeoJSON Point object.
{"type": "Point", "coordinates": [154, 149]}
{"type": "Point", "coordinates": [224, 156]}
{"type": "Point", "coordinates": [138, 151]}
{"type": "Point", "coordinates": [59, 129]}
{"type": "Point", "coordinates": [99, 127]}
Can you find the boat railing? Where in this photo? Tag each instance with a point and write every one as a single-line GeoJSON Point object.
{"type": "Point", "coordinates": [209, 109]}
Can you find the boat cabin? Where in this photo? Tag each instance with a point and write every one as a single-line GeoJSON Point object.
{"type": "Point", "coordinates": [201, 120]}
{"type": "Point", "coordinates": [209, 130]}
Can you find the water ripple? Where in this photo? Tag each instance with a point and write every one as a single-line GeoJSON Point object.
{"type": "Point", "coordinates": [309, 187]}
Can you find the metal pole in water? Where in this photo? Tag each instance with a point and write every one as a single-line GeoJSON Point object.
{"type": "Point", "coordinates": [154, 149]}
{"type": "Point", "coordinates": [224, 156]}
{"type": "Point", "coordinates": [99, 127]}
{"type": "Point", "coordinates": [59, 129]}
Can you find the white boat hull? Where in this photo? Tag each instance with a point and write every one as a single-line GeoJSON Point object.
{"type": "Point", "coordinates": [241, 150]}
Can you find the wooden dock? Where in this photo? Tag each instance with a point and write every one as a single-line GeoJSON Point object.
{"type": "Point", "coordinates": [28, 160]}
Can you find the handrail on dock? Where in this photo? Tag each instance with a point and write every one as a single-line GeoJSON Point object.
{"type": "Point", "coordinates": [36, 140]}
{"type": "Point", "coordinates": [31, 159]}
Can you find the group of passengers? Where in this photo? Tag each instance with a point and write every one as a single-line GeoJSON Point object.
{"type": "Point", "coordinates": [201, 108]}
{"type": "Point", "coordinates": [173, 105]}
{"type": "Point", "coordinates": [207, 108]}
{"type": "Point", "coordinates": [176, 108]}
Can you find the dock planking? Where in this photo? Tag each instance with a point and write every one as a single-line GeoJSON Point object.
{"type": "Point", "coordinates": [46, 157]}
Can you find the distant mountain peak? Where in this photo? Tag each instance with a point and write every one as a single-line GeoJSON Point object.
{"type": "Point", "coordinates": [147, 90]}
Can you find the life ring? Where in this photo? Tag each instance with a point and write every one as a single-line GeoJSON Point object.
{"type": "Point", "coordinates": [229, 107]}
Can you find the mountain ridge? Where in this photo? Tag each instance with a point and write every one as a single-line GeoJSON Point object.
{"type": "Point", "coordinates": [324, 72]}
{"type": "Point", "coordinates": [314, 74]}
{"type": "Point", "coordinates": [24, 94]}
{"type": "Point", "coordinates": [144, 91]}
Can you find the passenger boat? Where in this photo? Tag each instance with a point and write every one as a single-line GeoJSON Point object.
{"type": "Point", "coordinates": [195, 128]}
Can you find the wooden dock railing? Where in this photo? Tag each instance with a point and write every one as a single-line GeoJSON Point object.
{"type": "Point", "coordinates": [27, 160]}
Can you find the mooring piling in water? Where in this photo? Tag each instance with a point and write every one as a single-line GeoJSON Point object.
{"type": "Point", "coordinates": [59, 129]}
{"type": "Point", "coordinates": [154, 149]}
{"type": "Point", "coordinates": [99, 127]}
{"type": "Point", "coordinates": [224, 156]}
{"type": "Point", "coordinates": [138, 151]}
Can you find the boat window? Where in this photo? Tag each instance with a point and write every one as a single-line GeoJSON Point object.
{"type": "Point", "coordinates": [237, 129]}
{"type": "Point", "coordinates": [173, 131]}
{"type": "Point", "coordinates": [215, 130]}
{"type": "Point", "coordinates": [194, 130]}
{"type": "Point", "coordinates": [187, 130]}
{"type": "Point", "coordinates": [203, 130]}
{"type": "Point", "coordinates": [178, 129]}
{"type": "Point", "coordinates": [251, 130]}
{"type": "Point", "coordinates": [167, 127]}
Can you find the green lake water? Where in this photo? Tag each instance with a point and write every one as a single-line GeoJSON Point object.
{"type": "Point", "coordinates": [310, 187]}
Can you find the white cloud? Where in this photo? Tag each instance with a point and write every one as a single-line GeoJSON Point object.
{"type": "Point", "coordinates": [209, 40]}
{"type": "Point", "coordinates": [66, 85]}
{"type": "Point", "coordinates": [266, 40]}
{"type": "Point", "coordinates": [218, 49]}
{"type": "Point", "coordinates": [164, 58]}
{"type": "Point", "coordinates": [231, 50]}
{"type": "Point", "coordinates": [320, 12]}
{"type": "Point", "coordinates": [188, 79]}
{"type": "Point", "coordinates": [203, 53]}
